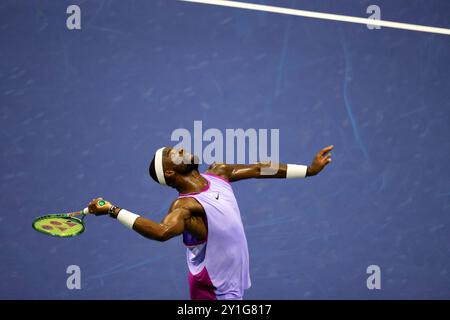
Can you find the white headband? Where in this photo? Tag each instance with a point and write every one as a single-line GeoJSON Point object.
{"type": "Point", "coordinates": [159, 166]}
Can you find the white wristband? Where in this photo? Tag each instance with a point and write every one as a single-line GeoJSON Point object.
{"type": "Point", "coordinates": [295, 171]}
{"type": "Point", "coordinates": [127, 218]}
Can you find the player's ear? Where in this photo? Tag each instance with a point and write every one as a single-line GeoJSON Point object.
{"type": "Point", "coordinates": [169, 173]}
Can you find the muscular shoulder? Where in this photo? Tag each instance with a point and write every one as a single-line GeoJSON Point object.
{"type": "Point", "coordinates": [221, 169]}
{"type": "Point", "coordinates": [187, 203]}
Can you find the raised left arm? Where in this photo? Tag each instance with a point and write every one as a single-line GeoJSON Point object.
{"type": "Point", "coordinates": [236, 172]}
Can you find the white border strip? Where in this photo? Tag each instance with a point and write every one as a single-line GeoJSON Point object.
{"type": "Point", "coordinates": [159, 166]}
{"type": "Point", "coordinates": [325, 16]}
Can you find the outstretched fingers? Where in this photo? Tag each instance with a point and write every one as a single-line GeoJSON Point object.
{"type": "Point", "coordinates": [324, 151]}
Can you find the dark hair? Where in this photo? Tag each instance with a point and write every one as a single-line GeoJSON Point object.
{"type": "Point", "coordinates": [152, 171]}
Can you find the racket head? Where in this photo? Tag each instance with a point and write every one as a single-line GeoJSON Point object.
{"type": "Point", "coordinates": [59, 225]}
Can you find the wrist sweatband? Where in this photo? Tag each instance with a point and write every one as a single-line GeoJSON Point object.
{"type": "Point", "coordinates": [296, 171]}
{"type": "Point", "coordinates": [127, 218]}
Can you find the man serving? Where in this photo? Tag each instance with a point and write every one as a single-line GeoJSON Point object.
{"type": "Point", "coordinates": [207, 215]}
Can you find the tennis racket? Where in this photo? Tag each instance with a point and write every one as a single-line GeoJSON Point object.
{"type": "Point", "coordinates": [63, 224]}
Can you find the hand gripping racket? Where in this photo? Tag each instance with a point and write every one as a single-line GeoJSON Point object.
{"type": "Point", "coordinates": [63, 224]}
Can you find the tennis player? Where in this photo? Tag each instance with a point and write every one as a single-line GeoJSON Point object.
{"type": "Point", "coordinates": [207, 215]}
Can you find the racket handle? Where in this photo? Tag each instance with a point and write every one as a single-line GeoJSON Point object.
{"type": "Point", "coordinates": [86, 210]}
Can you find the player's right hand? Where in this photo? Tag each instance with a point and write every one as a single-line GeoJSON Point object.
{"type": "Point", "coordinates": [99, 206]}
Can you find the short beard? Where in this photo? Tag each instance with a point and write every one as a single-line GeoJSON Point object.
{"type": "Point", "coordinates": [189, 167]}
{"type": "Point", "coordinates": [194, 166]}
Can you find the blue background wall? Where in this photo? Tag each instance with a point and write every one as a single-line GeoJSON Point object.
{"type": "Point", "coordinates": [82, 112]}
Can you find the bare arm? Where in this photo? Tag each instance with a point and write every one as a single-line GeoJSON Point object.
{"type": "Point", "coordinates": [236, 172]}
{"type": "Point", "coordinates": [172, 225]}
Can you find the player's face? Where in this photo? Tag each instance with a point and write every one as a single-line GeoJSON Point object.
{"type": "Point", "coordinates": [181, 160]}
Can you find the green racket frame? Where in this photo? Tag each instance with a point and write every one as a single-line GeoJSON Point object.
{"type": "Point", "coordinates": [61, 216]}
{"type": "Point", "coordinates": [68, 216]}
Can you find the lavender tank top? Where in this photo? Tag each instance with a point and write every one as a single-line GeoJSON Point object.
{"type": "Point", "coordinates": [223, 258]}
